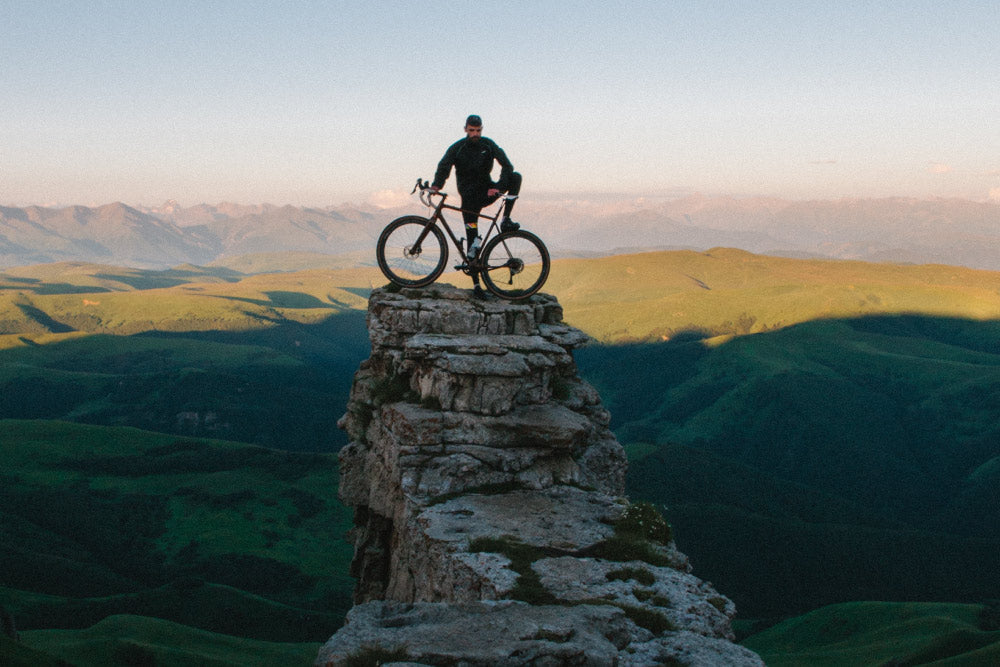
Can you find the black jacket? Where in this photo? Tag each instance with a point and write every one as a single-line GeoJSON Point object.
{"type": "Point", "coordinates": [473, 162]}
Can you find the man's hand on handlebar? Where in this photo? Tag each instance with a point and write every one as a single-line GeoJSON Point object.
{"type": "Point", "coordinates": [426, 190]}
{"type": "Point", "coordinates": [492, 192]}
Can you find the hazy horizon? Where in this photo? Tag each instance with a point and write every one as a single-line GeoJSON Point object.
{"type": "Point", "coordinates": [318, 104]}
{"type": "Point", "coordinates": [387, 200]}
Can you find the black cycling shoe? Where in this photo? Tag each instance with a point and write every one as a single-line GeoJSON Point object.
{"type": "Point", "coordinates": [478, 293]}
{"type": "Point", "coordinates": [508, 225]}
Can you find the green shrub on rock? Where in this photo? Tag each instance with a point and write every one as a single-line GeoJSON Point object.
{"type": "Point", "coordinates": [643, 520]}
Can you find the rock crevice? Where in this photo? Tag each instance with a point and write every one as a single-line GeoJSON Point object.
{"type": "Point", "coordinates": [490, 522]}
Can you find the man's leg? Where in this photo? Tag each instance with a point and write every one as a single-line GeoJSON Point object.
{"type": "Point", "coordinates": [506, 224]}
{"type": "Point", "coordinates": [471, 218]}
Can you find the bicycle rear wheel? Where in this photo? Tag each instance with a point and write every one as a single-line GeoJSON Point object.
{"type": "Point", "coordinates": [515, 265]}
{"type": "Point", "coordinates": [410, 253]}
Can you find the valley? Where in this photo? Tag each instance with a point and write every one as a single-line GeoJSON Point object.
{"type": "Point", "coordinates": [799, 419]}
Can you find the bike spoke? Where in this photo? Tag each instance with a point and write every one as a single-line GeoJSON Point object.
{"type": "Point", "coordinates": [516, 265]}
{"type": "Point", "coordinates": [410, 252]}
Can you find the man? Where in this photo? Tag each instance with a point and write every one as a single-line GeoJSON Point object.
{"type": "Point", "coordinates": [472, 158]}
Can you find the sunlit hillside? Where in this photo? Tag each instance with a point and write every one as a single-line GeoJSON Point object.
{"type": "Point", "coordinates": [798, 419]}
{"type": "Point", "coordinates": [659, 295]}
{"type": "Point", "coordinates": [266, 359]}
{"type": "Point", "coordinates": [41, 303]}
{"type": "Point", "coordinates": [815, 414]}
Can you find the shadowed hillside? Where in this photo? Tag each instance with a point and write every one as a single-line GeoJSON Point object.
{"type": "Point", "coordinates": [261, 360]}
{"type": "Point", "coordinates": [226, 537]}
{"type": "Point", "coordinates": [800, 419]}
{"type": "Point", "coordinates": [140, 640]}
{"type": "Point", "coordinates": [818, 449]}
{"type": "Point", "coordinates": [881, 633]}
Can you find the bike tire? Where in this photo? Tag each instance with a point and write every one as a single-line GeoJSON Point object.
{"type": "Point", "coordinates": [515, 265]}
{"type": "Point", "coordinates": [404, 264]}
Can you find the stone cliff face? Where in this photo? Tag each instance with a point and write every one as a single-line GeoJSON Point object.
{"type": "Point", "coordinates": [490, 526]}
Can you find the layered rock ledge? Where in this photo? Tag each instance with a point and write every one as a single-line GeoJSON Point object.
{"type": "Point", "coordinates": [490, 522]}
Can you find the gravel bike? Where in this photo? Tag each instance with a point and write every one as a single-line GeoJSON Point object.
{"type": "Point", "coordinates": [412, 251]}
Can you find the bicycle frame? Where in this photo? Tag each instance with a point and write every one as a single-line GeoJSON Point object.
{"type": "Point", "coordinates": [438, 216]}
{"type": "Point", "coordinates": [513, 263]}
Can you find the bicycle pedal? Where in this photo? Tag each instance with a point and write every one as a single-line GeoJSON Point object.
{"type": "Point", "coordinates": [461, 267]}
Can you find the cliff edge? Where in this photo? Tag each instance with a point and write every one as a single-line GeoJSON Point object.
{"type": "Point", "coordinates": [490, 522]}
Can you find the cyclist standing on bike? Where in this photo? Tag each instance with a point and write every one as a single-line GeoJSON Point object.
{"type": "Point", "coordinates": [473, 157]}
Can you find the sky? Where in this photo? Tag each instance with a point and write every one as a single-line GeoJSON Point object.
{"type": "Point", "coordinates": [322, 103]}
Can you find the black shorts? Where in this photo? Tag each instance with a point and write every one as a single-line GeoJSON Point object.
{"type": "Point", "coordinates": [475, 200]}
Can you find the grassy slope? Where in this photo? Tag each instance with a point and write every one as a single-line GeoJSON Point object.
{"type": "Point", "coordinates": [294, 261]}
{"type": "Point", "coordinates": [858, 426]}
{"type": "Point", "coordinates": [18, 654]}
{"type": "Point", "coordinates": [649, 297]}
{"type": "Point", "coordinates": [224, 536]}
{"type": "Point", "coordinates": [888, 428]}
{"type": "Point", "coordinates": [259, 358]}
{"type": "Point", "coordinates": [657, 295]}
{"type": "Point", "coordinates": [268, 354]}
{"type": "Point", "coordinates": [876, 633]}
{"type": "Point", "coordinates": [130, 301]}
{"type": "Point", "coordinates": [128, 639]}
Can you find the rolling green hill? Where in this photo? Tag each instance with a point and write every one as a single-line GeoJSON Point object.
{"type": "Point", "coordinates": [227, 537]}
{"type": "Point", "coordinates": [883, 633]}
{"type": "Point", "coordinates": [274, 262]}
{"type": "Point", "coordinates": [657, 296]}
{"type": "Point", "coordinates": [819, 431]}
{"type": "Point", "coordinates": [267, 360]}
{"type": "Point", "coordinates": [818, 449]}
{"type": "Point", "coordinates": [37, 304]}
{"type": "Point", "coordinates": [137, 640]}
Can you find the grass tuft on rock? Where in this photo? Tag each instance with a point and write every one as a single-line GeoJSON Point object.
{"type": "Point", "coordinates": [529, 586]}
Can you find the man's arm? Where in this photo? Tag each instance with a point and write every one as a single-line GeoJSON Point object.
{"type": "Point", "coordinates": [506, 168]}
{"type": "Point", "coordinates": [444, 167]}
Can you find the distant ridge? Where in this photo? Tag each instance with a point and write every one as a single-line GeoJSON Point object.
{"type": "Point", "coordinates": [943, 231]}
{"type": "Point", "coordinates": [119, 234]}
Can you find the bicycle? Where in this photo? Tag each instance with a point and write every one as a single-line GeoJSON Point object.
{"type": "Point", "coordinates": [412, 251]}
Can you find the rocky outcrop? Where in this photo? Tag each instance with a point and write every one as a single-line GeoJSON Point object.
{"type": "Point", "coordinates": [490, 522]}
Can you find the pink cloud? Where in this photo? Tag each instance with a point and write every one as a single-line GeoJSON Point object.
{"type": "Point", "coordinates": [938, 168]}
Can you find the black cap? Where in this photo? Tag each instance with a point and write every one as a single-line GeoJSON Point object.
{"type": "Point", "coordinates": [474, 121]}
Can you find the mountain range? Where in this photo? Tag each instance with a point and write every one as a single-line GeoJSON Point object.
{"type": "Point", "coordinates": [162, 238]}
{"type": "Point", "coordinates": [943, 231]}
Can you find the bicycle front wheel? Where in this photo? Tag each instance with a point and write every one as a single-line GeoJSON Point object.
{"type": "Point", "coordinates": [411, 251]}
{"type": "Point", "coordinates": [516, 265]}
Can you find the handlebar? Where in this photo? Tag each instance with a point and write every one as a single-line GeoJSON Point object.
{"type": "Point", "coordinates": [426, 192]}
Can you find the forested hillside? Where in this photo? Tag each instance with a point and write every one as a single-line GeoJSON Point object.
{"type": "Point", "coordinates": [266, 360]}
{"type": "Point", "coordinates": [814, 416]}
{"type": "Point", "coordinates": [818, 431]}
{"type": "Point", "coordinates": [815, 451]}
